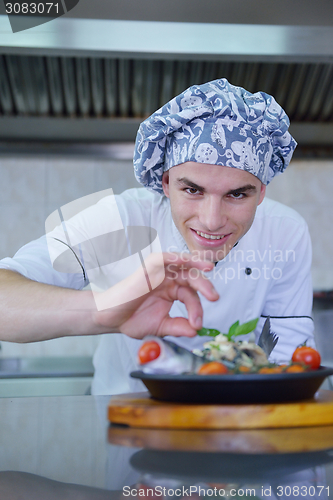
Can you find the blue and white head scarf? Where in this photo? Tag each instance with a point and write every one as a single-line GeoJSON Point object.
{"type": "Point", "coordinates": [215, 123]}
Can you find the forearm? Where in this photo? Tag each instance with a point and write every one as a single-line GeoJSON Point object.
{"type": "Point", "coordinates": [32, 311]}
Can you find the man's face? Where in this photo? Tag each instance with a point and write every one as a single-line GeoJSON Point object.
{"type": "Point", "coordinates": [212, 206]}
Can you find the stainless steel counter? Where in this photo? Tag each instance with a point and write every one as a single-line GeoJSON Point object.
{"type": "Point", "coordinates": [63, 448]}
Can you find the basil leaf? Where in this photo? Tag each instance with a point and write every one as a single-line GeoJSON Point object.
{"type": "Point", "coordinates": [233, 330]}
{"type": "Point", "coordinates": [246, 327]}
{"type": "Point", "coordinates": [208, 332]}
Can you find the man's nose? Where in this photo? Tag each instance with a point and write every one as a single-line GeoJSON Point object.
{"type": "Point", "coordinates": [213, 215]}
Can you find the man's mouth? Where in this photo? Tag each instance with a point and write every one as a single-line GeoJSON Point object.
{"type": "Point", "coordinates": [210, 236]}
{"type": "Point", "coordinates": [208, 241]}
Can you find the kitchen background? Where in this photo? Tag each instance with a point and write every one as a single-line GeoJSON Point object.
{"type": "Point", "coordinates": [71, 100]}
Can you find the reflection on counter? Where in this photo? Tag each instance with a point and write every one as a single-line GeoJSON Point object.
{"type": "Point", "coordinates": [274, 463]}
{"type": "Point", "coordinates": [250, 441]}
{"type": "Point", "coordinates": [23, 486]}
{"type": "Point", "coordinates": [308, 484]}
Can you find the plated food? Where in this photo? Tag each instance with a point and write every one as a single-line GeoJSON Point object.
{"type": "Point", "coordinates": [236, 356]}
{"type": "Point", "coordinates": [248, 357]}
{"type": "Point", "coordinates": [223, 354]}
{"type": "Point", "coordinates": [227, 371]}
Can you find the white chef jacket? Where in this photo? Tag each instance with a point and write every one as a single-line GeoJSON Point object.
{"type": "Point", "coordinates": [268, 273]}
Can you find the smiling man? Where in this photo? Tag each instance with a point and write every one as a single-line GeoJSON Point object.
{"type": "Point", "coordinates": [205, 159]}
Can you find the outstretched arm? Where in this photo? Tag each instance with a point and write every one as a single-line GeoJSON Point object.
{"type": "Point", "coordinates": [32, 311]}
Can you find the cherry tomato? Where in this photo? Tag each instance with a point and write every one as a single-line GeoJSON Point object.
{"type": "Point", "coordinates": [213, 368]}
{"type": "Point", "coordinates": [149, 351]}
{"type": "Point", "coordinates": [295, 368]}
{"type": "Point", "coordinates": [244, 369]}
{"type": "Point", "coordinates": [307, 356]}
{"type": "Point", "coordinates": [283, 368]}
{"type": "Point", "coordinates": [271, 369]}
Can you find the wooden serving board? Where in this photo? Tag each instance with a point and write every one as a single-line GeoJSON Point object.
{"type": "Point", "coordinates": [140, 410]}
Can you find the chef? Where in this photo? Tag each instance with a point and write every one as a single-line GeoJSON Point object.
{"type": "Point", "coordinates": [198, 245]}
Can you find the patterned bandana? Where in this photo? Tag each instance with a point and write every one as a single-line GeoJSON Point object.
{"type": "Point", "coordinates": [215, 123]}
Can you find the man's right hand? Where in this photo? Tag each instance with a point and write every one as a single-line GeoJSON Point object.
{"type": "Point", "coordinates": [149, 314]}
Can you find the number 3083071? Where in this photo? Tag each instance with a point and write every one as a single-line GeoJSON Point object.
{"type": "Point", "coordinates": [32, 8]}
{"type": "Point", "coordinates": [302, 491]}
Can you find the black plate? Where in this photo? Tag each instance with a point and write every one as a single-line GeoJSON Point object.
{"type": "Point", "coordinates": [234, 389]}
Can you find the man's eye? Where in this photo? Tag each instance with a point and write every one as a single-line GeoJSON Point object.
{"type": "Point", "coordinates": [238, 195]}
{"type": "Point", "coordinates": [192, 190]}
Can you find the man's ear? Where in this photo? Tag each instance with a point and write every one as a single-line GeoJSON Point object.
{"type": "Point", "coordinates": [165, 183]}
{"type": "Point", "coordinates": [262, 193]}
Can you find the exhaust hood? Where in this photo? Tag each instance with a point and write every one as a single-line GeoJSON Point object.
{"type": "Point", "coordinates": [95, 73]}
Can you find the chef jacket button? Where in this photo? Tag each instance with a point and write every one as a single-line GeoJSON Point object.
{"type": "Point", "coordinates": [248, 271]}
